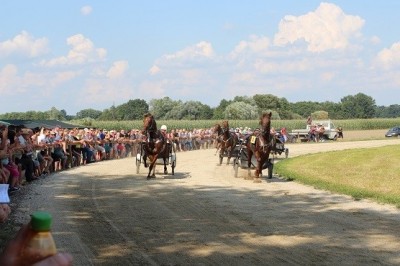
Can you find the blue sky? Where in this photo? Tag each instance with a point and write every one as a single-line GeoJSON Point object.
{"type": "Point", "coordinates": [75, 55]}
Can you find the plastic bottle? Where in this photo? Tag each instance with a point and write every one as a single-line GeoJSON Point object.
{"type": "Point", "coordinates": [41, 243]}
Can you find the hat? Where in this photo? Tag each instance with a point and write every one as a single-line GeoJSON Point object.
{"type": "Point", "coordinates": [163, 127]}
{"type": "Point", "coordinates": [52, 133]}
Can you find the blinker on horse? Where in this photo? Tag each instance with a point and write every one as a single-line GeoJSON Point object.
{"type": "Point", "coordinates": [155, 147]}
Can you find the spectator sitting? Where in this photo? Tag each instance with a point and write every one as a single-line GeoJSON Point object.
{"type": "Point", "coordinates": [283, 135]}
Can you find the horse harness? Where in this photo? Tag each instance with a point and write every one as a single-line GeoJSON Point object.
{"type": "Point", "coordinates": [262, 144]}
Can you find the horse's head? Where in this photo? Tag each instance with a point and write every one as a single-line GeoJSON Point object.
{"type": "Point", "coordinates": [265, 123]}
{"type": "Point", "coordinates": [149, 124]}
{"type": "Point", "coordinates": [218, 129]}
{"type": "Point", "coordinates": [225, 125]}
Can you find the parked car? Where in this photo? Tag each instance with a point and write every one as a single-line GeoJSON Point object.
{"type": "Point", "coordinates": [393, 132]}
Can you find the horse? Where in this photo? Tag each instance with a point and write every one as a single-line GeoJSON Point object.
{"type": "Point", "coordinates": [227, 140]}
{"type": "Point", "coordinates": [260, 144]}
{"type": "Point", "coordinates": [155, 146]}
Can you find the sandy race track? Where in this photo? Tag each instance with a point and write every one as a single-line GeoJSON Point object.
{"type": "Point", "coordinates": [106, 214]}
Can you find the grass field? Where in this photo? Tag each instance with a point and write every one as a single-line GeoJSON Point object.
{"type": "Point", "coordinates": [361, 173]}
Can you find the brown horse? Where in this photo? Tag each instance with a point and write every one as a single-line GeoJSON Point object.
{"type": "Point", "coordinates": [260, 144]}
{"type": "Point", "coordinates": [227, 140]}
{"type": "Point", "coordinates": [155, 146]}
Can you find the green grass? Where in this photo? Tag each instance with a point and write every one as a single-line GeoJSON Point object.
{"type": "Point", "coordinates": [371, 173]}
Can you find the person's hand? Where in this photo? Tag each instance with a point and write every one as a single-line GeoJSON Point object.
{"type": "Point", "coordinates": [4, 212]}
{"type": "Point", "coordinates": [12, 253]}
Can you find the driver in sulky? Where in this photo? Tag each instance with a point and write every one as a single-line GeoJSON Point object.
{"type": "Point", "coordinates": [164, 134]}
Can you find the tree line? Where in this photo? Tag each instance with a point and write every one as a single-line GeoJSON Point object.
{"type": "Point", "coordinates": [357, 106]}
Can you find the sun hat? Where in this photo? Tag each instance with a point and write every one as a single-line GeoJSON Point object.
{"type": "Point", "coordinates": [163, 127]}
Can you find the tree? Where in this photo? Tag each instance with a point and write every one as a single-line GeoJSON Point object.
{"type": "Point", "coordinates": [160, 107]}
{"type": "Point", "coordinates": [245, 99]}
{"type": "Point", "coordinates": [90, 113]}
{"type": "Point", "coordinates": [305, 108]}
{"type": "Point", "coordinates": [391, 111]}
{"type": "Point", "coordinates": [175, 112]}
{"type": "Point", "coordinates": [358, 106]}
{"type": "Point", "coordinates": [219, 110]}
{"type": "Point", "coordinates": [270, 102]}
{"type": "Point", "coordinates": [206, 112]}
{"type": "Point", "coordinates": [240, 111]}
{"type": "Point", "coordinates": [133, 109]}
{"type": "Point", "coordinates": [191, 110]}
{"type": "Point", "coordinates": [55, 114]}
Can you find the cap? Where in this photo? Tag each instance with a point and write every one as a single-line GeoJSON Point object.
{"type": "Point", "coordinates": [163, 127]}
{"type": "Point", "coordinates": [41, 221]}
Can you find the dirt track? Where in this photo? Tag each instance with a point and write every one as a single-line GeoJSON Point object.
{"type": "Point", "coordinates": [106, 214]}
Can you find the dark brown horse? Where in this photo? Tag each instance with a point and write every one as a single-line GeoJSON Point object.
{"type": "Point", "coordinates": [226, 140]}
{"type": "Point", "coordinates": [260, 144]}
{"type": "Point", "coordinates": [155, 146]}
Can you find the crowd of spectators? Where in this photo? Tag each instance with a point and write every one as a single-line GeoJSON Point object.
{"type": "Point", "coordinates": [29, 154]}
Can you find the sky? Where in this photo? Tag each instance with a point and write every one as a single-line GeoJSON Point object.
{"type": "Point", "coordinates": [76, 55]}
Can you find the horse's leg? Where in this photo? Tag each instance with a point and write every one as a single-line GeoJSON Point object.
{"type": "Point", "coordinates": [249, 156]}
{"type": "Point", "coordinates": [229, 156]}
{"type": "Point", "coordinates": [153, 160]}
{"type": "Point", "coordinates": [221, 155]}
{"type": "Point", "coordinates": [145, 160]}
{"type": "Point", "coordinates": [165, 166]}
{"type": "Point", "coordinates": [258, 171]}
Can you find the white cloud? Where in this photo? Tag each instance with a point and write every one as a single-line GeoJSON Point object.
{"type": "Point", "coordinates": [256, 44]}
{"type": "Point", "coordinates": [389, 57]}
{"type": "Point", "coordinates": [24, 44]}
{"type": "Point", "coordinates": [200, 50]}
{"type": "Point", "coordinates": [117, 70]}
{"type": "Point", "coordinates": [154, 70]}
{"type": "Point", "coordinates": [375, 40]}
{"type": "Point", "coordinates": [82, 51]}
{"type": "Point", "coordinates": [86, 10]}
{"type": "Point", "coordinates": [328, 27]}
{"type": "Point", "coordinates": [8, 79]}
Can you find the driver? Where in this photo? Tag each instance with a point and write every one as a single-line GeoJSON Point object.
{"type": "Point", "coordinates": [164, 134]}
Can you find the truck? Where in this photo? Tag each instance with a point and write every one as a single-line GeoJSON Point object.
{"type": "Point", "coordinates": [302, 134]}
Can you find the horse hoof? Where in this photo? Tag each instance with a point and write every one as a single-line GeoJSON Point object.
{"type": "Point", "coordinates": [257, 180]}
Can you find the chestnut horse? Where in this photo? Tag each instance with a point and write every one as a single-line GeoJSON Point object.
{"type": "Point", "coordinates": [227, 140]}
{"type": "Point", "coordinates": [155, 146]}
{"type": "Point", "coordinates": [260, 144]}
